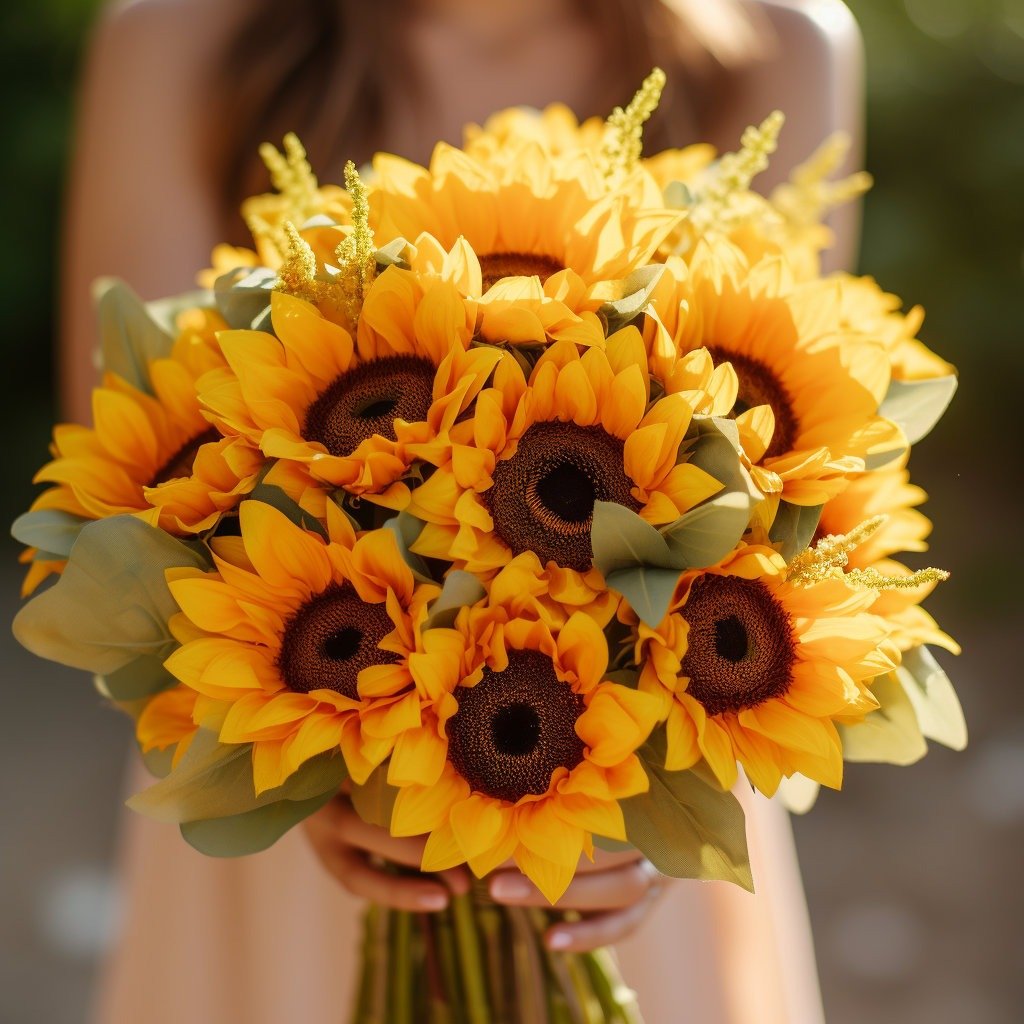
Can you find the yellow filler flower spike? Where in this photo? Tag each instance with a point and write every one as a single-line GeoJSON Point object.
{"type": "Point", "coordinates": [292, 176]}
{"type": "Point", "coordinates": [623, 141]}
{"type": "Point", "coordinates": [356, 259]}
{"type": "Point", "coordinates": [830, 556]}
{"type": "Point", "coordinates": [297, 274]}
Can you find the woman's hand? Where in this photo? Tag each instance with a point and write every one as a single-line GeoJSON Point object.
{"type": "Point", "coordinates": [614, 894]}
{"type": "Point", "coordinates": [350, 850]}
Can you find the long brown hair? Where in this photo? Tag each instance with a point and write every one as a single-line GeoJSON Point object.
{"type": "Point", "coordinates": [321, 67]}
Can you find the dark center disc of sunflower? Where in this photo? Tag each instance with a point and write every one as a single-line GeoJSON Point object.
{"type": "Point", "coordinates": [497, 265]}
{"type": "Point", "coordinates": [515, 728]}
{"type": "Point", "coordinates": [740, 646]}
{"type": "Point", "coordinates": [331, 639]}
{"type": "Point", "coordinates": [760, 386]}
{"type": "Point", "coordinates": [181, 462]}
{"type": "Point", "coordinates": [543, 497]}
{"type": "Point", "coordinates": [366, 401]}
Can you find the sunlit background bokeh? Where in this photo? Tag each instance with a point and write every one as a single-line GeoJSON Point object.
{"type": "Point", "coordinates": [913, 876]}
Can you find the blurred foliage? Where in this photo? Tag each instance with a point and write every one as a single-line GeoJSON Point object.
{"type": "Point", "coordinates": [944, 226]}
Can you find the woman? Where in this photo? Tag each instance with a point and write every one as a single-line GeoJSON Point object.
{"type": "Point", "coordinates": [177, 94]}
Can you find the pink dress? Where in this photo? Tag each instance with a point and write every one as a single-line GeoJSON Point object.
{"type": "Point", "coordinates": [272, 939]}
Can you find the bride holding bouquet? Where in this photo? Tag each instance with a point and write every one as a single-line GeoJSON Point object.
{"type": "Point", "coordinates": [177, 97]}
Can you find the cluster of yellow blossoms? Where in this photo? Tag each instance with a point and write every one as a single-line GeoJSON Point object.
{"type": "Point", "coordinates": [500, 467]}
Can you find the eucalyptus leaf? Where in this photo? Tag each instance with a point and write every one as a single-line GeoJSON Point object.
{"type": "Point", "coordinates": [130, 338]}
{"type": "Point", "coordinates": [112, 604]}
{"type": "Point", "coordinates": [649, 591]}
{"type": "Point", "coordinates": [890, 735]}
{"type": "Point", "coordinates": [137, 680]}
{"type": "Point", "coordinates": [612, 845]}
{"type": "Point", "coordinates": [706, 534]}
{"type": "Point", "coordinates": [622, 540]}
{"type": "Point", "coordinates": [393, 254]}
{"type": "Point", "coordinates": [879, 460]}
{"type": "Point", "coordinates": [243, 295]}
{"type": "Point", "coordinates": [251, 831]}
{"type": "Point", "coordinates": [158, 762]}
{"type": "Point", "coordinates": [718, 452]}
{"type": "Point", "coordinates": [49, 530]}
{"type": "Point", "coordinates": [459, 590]}
{"type": "Point", "coordinates": [407, 529]}
{"type": "Point", "coordinates": [165, 312]}
{"type": "Point", "coordinates": [685, 826]}
{"type": "Point", "coordinates": [935, 701]}
{"type": "Point", "coordinates": [917, 405]}
{"type": "Point", "coordinates": [275, 497]}
{"type": "Point", "coordinates": [794, 528]}
{"type": "Point", "coordinates": [636, 294]}
{"type": "Point", "coordinates": [374, 800]}
{"type": "Point", "coordinates": [798, 794]}
{"type": "Point", "coordinates": [214, 780]}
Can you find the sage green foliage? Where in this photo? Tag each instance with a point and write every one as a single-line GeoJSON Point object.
{"type": "Point", "coordinates": [111, 606]}
{"type": "Point", "coordinates": [686, 824]}
{"type": "Point", "coordinates": [890, 735]}
{"type": "Point", "coordinates": [374, 800]}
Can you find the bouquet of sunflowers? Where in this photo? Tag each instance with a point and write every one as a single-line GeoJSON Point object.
{"type": "Point", "coordinates": [528, 495]}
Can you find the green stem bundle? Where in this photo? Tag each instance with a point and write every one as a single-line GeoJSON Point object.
{"type": "Point", "coordinates": [482, 963]}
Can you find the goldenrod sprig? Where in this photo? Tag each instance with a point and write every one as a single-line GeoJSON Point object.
{"type": "Point", "coordinates": [355, 254]}
{"type": "Point", "coordinates": [624, 129]}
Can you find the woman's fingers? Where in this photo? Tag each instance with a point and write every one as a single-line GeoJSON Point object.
{"type": "Point", "coordinates": [611, 889]}
{"type": "Point", "coordinates": [599, 930]}
{"type": "Point", "coordinates": [402, 892]}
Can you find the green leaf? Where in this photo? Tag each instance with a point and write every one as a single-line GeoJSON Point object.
{"type": "Point", "coordinates": [794, 528]}
{"type": "Point", "coordinates": [636, 294]}
{"type": "Point", "coordinates": [648, 591]}
{"type": "Point", "coordinates": [935, 701]}
{"type": "Point", "coordinates": [375, 799]}
{"type": "Point", "coordinates": [393, 254]}
{"type": "Point", "coordinates": [275, 497]}
{"type": "Point", "coordinates": [407, 529]}
{"type": "Point", "coordinates": [717, 451]}
{"type": "Point", "coordinates": [706, 534]}
{"type": "Point", "coordinates": [686, 826]}
{"type": "Point", "coordinates": [917, 405]}
{"type": "Point", "coordinates": [214, 780]}
{"type": "Point", "coordinates": [459, 590]}
{"type": "Point", "coordinates": [165, 312]}
{"type": "Point", "coordinates": [112, 604]}
{"type": "Point", "coordinates": [252, 831]}
{"type": "Point", "coordinates": [798, 794]}
{"type": "Point", "coordinates": [243, 296]}
{"type": "Point", "coordinates": [879, 460]}
{"type": "Point", "coordinates": [158, 762]}
{"type": "Point", "coordinates": [612, 845]}
{"type": "Point", "coordinates": [130, 338]}
{"type": "Point", "coordinates": [889, 735]}
{"type": "Point", "coordinates": [49, 530]}
{"type": "Point", "coordinates": [622, 540]}
{"type": "Point", "coordinates": [137, 680]}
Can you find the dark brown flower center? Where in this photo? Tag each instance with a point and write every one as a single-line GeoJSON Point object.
{"type": "Point", "coordinates": [515, 728]}
{"type": "Point", "coordinates": [366, 401]}
{"type": "Point", "coordinates": [331, 639]}
{"type": "Point", "coordinates": [740, 646]}
{"type": "Point", "coordinates": [497, 265]}
{"type": "Point", "coordinates": [181, 462]}
{"type": "Point", "coordinates": [759, 385]}
{"type": "Point", "coordinates": [543, 496]}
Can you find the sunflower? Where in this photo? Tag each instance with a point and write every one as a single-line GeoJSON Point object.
{"type": "Point", "coordinates": [555, 128]}
{"type": "Point", "coordinates": [526, 751]}
{"type": "Point", "coordinates": [866, 308]}
{"type": "Point", "coordinates": [298, 645]}
{"type": "Point", "coordinates": [888, 492]}
{"type": "Point", "coordinates": [168, 720]}
{"type": "Point", "coordinates": [349, 411]}
{"type": "Point", "coordinates": [526, 218]}
{"type": "Point", "coordinates": [752, 667]}
{"type": "Point", "coordinates": [809, 390]}
{"type": "Point", "coordinates": [524, 472]}
{"type": "Point", "coordinates": [153, 455]}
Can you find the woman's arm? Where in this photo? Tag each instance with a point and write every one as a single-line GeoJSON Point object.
{"type": "Point", "coordinates": [139, 202]}
{"type": "Point", "coordinates": [815, 76]}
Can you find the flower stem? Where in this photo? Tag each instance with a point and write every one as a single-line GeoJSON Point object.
{"type": "Point", "coordinates": [468, 944]}
{"type": "Point", "coordinates": [491, 924]}
{"type": "Point", "coordinates": [448, 961]}
{"type": "Point", "coordinates": [617, 999]}
{"type": "Point", "coordinates": [400, 969]}
{"type": "Point", "coordinates": [527, 969]}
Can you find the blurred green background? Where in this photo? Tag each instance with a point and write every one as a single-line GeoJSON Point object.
{"type": "Point", "coordinates": [912, 876]}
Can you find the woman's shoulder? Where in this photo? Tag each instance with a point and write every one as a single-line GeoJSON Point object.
{"type": "Point", "coordinates": [826, 25]}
